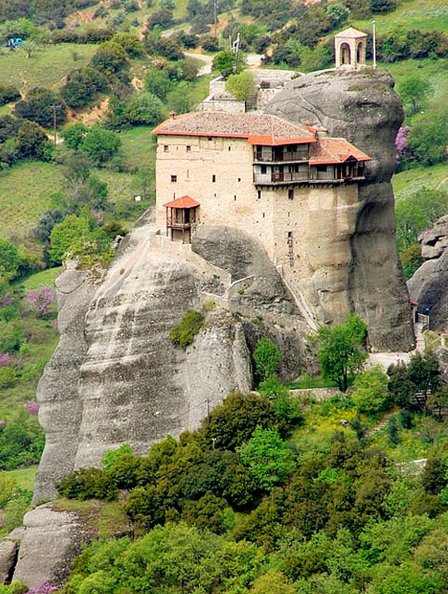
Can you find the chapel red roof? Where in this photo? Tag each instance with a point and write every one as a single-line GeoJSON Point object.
{"type": "Point", "coordinates": [261, 129]}
{"type": "Point", "coordinates": [183, 202]}
{"type": "Point", "coordinates": [335, 150]}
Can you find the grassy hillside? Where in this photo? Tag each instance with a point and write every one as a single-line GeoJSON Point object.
{"type": "Point", "coordinates": [47, 67]}
{"type": "Point", "coordinates": [425, 15]}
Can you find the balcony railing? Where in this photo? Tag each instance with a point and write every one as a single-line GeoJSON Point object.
{"type": "Point", "coordinates": [281, 177]}
{"type": "Point", "coordinates": [178, 225]}
{"type": "Point", "coordinates": [281, 157]}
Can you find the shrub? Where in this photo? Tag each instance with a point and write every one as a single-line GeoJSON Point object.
{"type": "Point", "coordinates": [8, 94]}
{"type": "Point", "coordinates": [184, 333]}
{"type": "Point", "coordinates": [87, 483]}
{"type": "Point", "coordinates": [41, 106]}
{"type": "Point", "coordinates": [233, 422]}
{"type": "Point", "coordinates": [371, 395]}
{"type": "Point", "coordinates": [82, 86]}
{"type": "Point", "coordinates": [145, 507]}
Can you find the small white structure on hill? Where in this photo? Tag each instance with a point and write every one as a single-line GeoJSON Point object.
{"type": "Point", "coordinates": [350, 48]}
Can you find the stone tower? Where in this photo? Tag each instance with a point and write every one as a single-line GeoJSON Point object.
{"type": "Point", "coordinates": [350, 48]}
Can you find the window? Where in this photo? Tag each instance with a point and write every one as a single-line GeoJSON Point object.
{"type": "Point", "coordinates": [174, 178]}
{"type": "Point", "coordinates": [166, 148]}
{"type": "Point", "coordinates": [188, 148]}
{"type": "Point", "coordinates": [234, 198]}
{"type": "Point", "coordinates": [291, 194]}
{"type": "Point", "coordinates": [239, 179]}
{"type": "Point", "coordinates": [259, 194]}
{"type": "Point", "coordinates": [321, 168]}
{"type": "Point", "coordinates": [264, 169]}
{"type": "Point", "coordinates": [213, 178]}
{"type": "Point", "coordinates": [230, 148]}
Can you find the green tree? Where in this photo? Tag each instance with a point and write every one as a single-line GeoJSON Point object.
{"type": "Point", "coordinates": [32, 142]}
{"type": "Point", "coordinates": [227, 63]}
{"type": "Point", "coordinates": [73, 135]}
{"type": "Point", "coordinates": [242, 86]}
{"type": "Point", "coordinates": [340, 350]}
{"type": "Point", "coordinates": [100, 145]}
{"type": "Point", "coordinates": [428, 137]}
{"type": "Point", "coordinates": [9, 259]}
{"type": "Point", "coordinates": [145, 109]}
{"type": "Point", "coordinates": [110, 58]}
{"type": "Point", "coordinates": [267, 357]}
{"type": "Point", "coordinates": [371, 395]}
{"type": "Point", "coordinates": [233, 422]}
{"type": "Point", "coordinates": [71, 233]}
{"type": "Point", "coordinates": [417, 212]}
{"type": "Point", "coordinates": [414, 92]}
{"type": "Point", "coordinates": [269, 458]}
{"type": "Point", "coordinates": [273, 582]}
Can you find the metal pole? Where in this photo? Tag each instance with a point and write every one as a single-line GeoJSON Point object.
{"type": "Point", "coordinates": [374, 42]}
{"type": "Point", "coordinates": [54, 107]}
{"type": "Point", "coordinates": [215, 17]}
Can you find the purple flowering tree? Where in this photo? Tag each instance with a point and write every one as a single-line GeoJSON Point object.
{"type": "Point", "coordinates": [5, 359]}
{"type": "Point", "coordinates": [31, 407]}
{"type": "Point", "coordinates": [40, 300]}
{"type": "Point", "coordinates": [401, 145]}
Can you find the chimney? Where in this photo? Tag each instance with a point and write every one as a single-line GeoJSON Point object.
{"type": "Point", "coordinates": [172, 115]}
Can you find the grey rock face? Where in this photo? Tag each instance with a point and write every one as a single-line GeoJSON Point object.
{"type": "Point", "coordinates": [8, 552]}
{"type": "Point", "coordinates": [60, 406]}
{"type": "Point", "coordinates": [256, 283]}
{"type": "Point", "coordinates": [429, 284]}
{"type": "Point", "coordinates": [362, 107]}
{"type": "Point", "coordinates": [49, 545]}
{"type": "Point", "coordinates": [116, 378]}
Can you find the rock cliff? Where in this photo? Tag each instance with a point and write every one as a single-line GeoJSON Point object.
{"type": "Point", "coordinates": [429, 284]}
{"type": "Point", "coordinates": [367, 278]}
{"type": "Point", "coordinates": [116, 378]}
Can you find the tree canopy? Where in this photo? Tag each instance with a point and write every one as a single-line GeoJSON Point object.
{"type": "Point", "coordinates": [341, 350]}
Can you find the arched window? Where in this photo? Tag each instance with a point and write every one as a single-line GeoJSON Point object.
{"type": "Point", "coordinates": [360, 53]}
{"type": "Point", "coordinates": [345, 54]}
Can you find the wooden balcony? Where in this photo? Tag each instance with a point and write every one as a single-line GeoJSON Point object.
{"type": "Point", "coordinates": [281, 177]}
{"type": "Point", "coordinates": [287, 157]}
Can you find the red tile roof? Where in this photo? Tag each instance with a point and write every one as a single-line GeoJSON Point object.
{"type": "Point", "coordinates": [335, 150]}
{"type": "Point", "coordinates": [260, 129]}
{"type": "Point", "coordinates": [183, 202]}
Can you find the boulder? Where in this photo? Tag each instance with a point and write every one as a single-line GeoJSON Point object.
{"type": "Point", "coordinates": [50, 543]}
{"type": "Point", "coordinates": [8, 554]}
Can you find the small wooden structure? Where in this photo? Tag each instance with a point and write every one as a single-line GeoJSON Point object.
{"type": "Point", "coordinates": [182, 214]}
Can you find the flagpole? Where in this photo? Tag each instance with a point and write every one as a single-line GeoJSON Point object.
{"type": "Point", "coordinates": [374, 42]}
